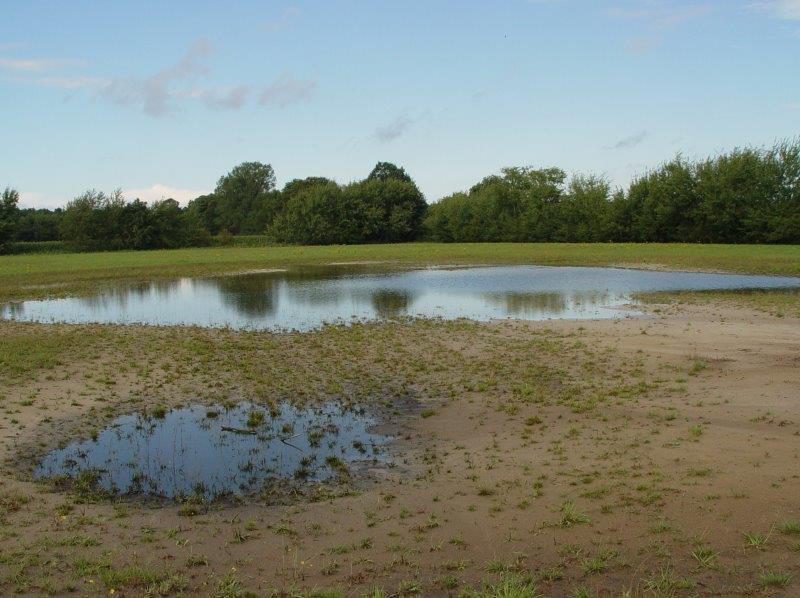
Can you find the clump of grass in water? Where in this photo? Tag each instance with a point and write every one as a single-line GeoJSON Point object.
{"type": "Point", "coordinates": [255, 418]}
{"type": "Point", "coordinates": [85, 486]}
{"type": "Point", "coordinates": [336, 464]}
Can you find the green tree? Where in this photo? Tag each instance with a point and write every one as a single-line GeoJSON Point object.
{"type": "Point", "coordinates": [245, 202]}
{"type": "Point", "coordinates": [784, 213]}
{"type": "Point", "coordinates": [8, 216]}
{"type": "Point", "coordinates": [296, 185]}
{"type": "Point", "coordinates": [585, 211]}
{"type": "Point", "coordinates": [38, 225]}
{"type": "Point", "coordinates": [391, 209]}
{"type": "Point", "coordinates": [737, 193]}
{"type": "Point", "coordinates": [317, 215]}
{"type": "Point", "coordinates": [385, 171]}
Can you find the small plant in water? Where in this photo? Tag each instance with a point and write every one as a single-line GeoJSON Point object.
{"type": "Point", "coordinates": [255, 418]}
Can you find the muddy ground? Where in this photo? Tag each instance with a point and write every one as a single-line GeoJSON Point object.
{"type": "Point", "coordinates": [653, 456]}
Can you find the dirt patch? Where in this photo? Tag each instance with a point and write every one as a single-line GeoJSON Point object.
{"type": "Point", "coordinates": [649, 455]}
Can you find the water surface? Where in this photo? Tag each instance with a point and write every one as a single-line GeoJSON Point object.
{"type": "Point", "coordinates": [213, 451]}
{"type": "Point", "coordinates": [307, 298]}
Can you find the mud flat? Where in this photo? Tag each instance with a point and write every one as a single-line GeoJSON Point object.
{"type": "Point", "coordinates": [654, 455]}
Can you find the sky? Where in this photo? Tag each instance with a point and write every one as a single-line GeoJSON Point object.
{"type": "Point", "coordinates": [160, 99]}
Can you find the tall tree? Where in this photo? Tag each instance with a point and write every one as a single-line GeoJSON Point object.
{"type": "Point", "coordinates": [245, 202]}
{"type": "Point", "coordinates": [8, 216]}
{"type": "Point", "coordinates": [385, 171]}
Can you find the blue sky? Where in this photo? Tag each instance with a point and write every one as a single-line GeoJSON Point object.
{"type": "Point", "coordinates": [161, 98]}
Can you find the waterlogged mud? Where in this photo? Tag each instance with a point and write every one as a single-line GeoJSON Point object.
{"type": "Point", "coordinates": [213, 451]}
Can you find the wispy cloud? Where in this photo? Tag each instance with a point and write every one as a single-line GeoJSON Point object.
{"type": "Point", "coordinates": [283, 20]}
{"type": "Point", "coordinates": [393, 130]}
{"type": "Point", "coordinates": [642, 44]}
{"type": "Point", "coordinates": [35, 64]}
{"type": "Point", "coordinates": [231, 99]}
{"type": "Point", "coordinates": [631, 141]}
{"type": "Point", "coordinates": [165, 91]}
{"type": "Point", "coordinates": [782, 9]}
{"type": "Point", "coordinates": [154, 93]}
{"type": "Point", "coordinates": [286, 90]}
{"type": "Point", "coordinates": [72, 82]}
{"type": "Point", "coordinates": [654, 18]}
{"type": "Point", "coordinates": [661, 14]}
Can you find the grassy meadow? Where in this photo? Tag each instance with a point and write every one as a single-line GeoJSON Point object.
{"type": "Point", "coordinates": [39, 275]}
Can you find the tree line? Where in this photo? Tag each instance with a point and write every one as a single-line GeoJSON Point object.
{"type": "Point", "coordinates": [748, 195]}
{"type": "Point", "coordinates": [743, 196]}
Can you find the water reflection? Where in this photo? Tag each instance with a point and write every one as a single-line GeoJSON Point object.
{"type": "Point", "coordinates": [306, 298]}
{"type": "Point", "coordinates": [211, 451]}
{"type": "Point", "coordinates": [251, 295]}
{"type": "Point", "coordinates": [391, 303]}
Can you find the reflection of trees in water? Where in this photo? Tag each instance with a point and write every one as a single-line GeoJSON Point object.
{"type": "Point", "coordinates": [252, 295]}
{"type": "Point", "coordinates": [391, 303]}
{"type": "Point", "coordinates": [12, 310]}
{"type": "Point", "coordinates": [257, 294]}
{"type": "Point", "coordinates": [551, 304]}
{"type": "Point", "coordinates": [119, 296]}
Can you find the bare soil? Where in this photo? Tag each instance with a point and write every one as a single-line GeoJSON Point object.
{"type": "Point", "coordinates": [654, 456]}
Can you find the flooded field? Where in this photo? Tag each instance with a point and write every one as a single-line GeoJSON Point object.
{"type": "Point", "coordinates": [208, 452]}
{"type": "Point", "coordinates": [307, 298]}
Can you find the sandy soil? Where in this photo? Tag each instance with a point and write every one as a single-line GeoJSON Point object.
{"type": "Point", "coordinates": [685, 438]}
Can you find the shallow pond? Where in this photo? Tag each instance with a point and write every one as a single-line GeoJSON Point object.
{"type": "Point", "coordinates": [306, 298]}
{"type": "Point", "coordinates": [214, 451]}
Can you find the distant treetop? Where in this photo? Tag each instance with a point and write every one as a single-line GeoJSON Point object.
{"type": "Point", "coordinates": [385, 171]}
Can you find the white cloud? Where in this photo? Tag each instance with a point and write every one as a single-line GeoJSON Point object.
{"type": "Point", "coordinates": [782, 9]}
{"type": "Point", "coordinates": [159, 191]}
{"type": "Point", "coordinates": [286, 90]}
{"type": "Point", "coordinates": [34, 199]}
{"type": "Point", "coordinates": [393, 130]}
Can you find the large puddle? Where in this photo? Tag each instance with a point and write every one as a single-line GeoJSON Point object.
{"type": "Point", "coordinates": [307, 298]}
{"type": "Point", "coordinates": [215, 451]}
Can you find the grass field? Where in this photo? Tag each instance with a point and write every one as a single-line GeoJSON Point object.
{"type": "Point", "coordinates": [37, 275]}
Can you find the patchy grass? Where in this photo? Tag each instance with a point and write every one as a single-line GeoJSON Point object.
{"type": "Point", "coordinates": [776, 302]}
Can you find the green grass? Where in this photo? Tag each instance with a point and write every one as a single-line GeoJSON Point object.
{"type": "Point", "coordinates": [37, 275]}
{"type": "Point", "coordinates": [25, 350]}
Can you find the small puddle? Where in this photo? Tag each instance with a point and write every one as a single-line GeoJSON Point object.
{"type": "Point", "coordinates": [213, 451]}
